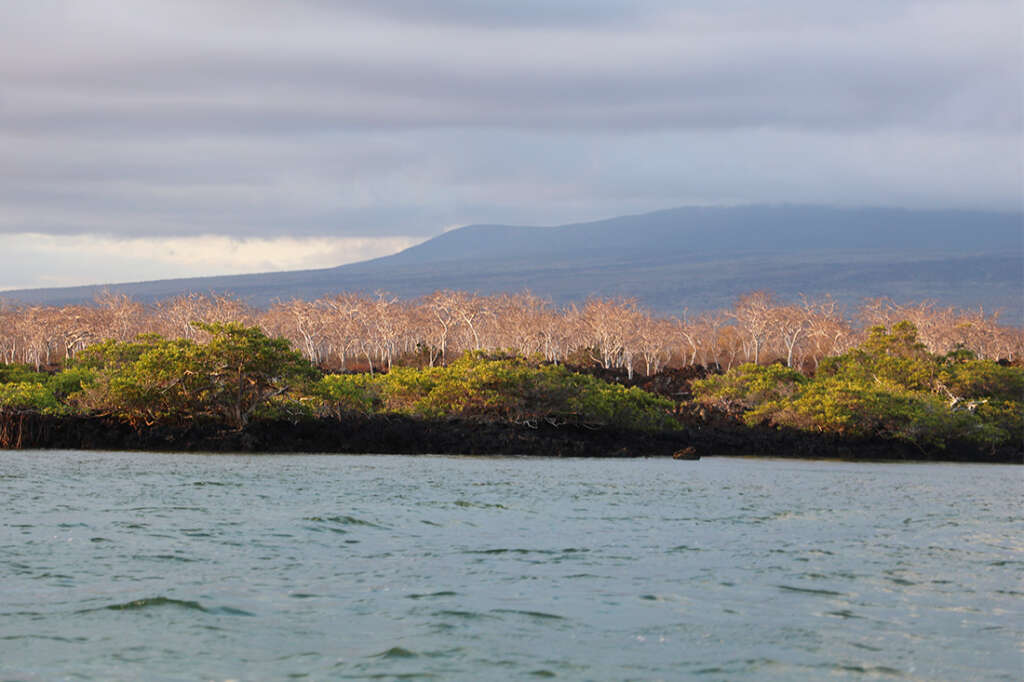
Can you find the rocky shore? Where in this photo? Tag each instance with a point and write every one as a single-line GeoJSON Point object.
{"type": "Point", "coordinates": [399, 434]}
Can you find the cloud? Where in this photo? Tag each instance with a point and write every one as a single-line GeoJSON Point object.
{"type": "Point", "coordinates": [314, 119]}
{"type": "Point", "coordinates": [35, 260]}
{"type": "Point", "coordinates": [944, 66]}
{"type": "Point", "coordinates": [415, 183]}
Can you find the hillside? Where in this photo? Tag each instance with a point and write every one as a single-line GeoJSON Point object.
{"type": "Point", "coordinates": [700, 257]}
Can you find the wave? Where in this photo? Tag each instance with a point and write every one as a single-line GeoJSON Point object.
{"type": "Point", "coordinates": [342, 520]}
{"type": "Point", "coordinates": [396, 652]}
{"type": "Point", "coordinates": [532, 614]}
{"type": "Point", "coordinates": [151, 602]}
{"type": "Point", "coordinates": [807, 590]}
{"type": "Point", "coordinates": [444, 593]}
{"type": "Point", "coordinates": [157, 602]}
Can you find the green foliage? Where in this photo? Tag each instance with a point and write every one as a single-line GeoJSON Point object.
{"type": "Point", "coordinates": [997, 423]}
{"type": "Point", "coordinates": [476, 386]}
{"type": "Point", "coordinates": [402, 389]}
{"type": "Point", "coordinates": [293, 408]}
{"type": "Point", "coordinates": [895, 356]}
{"type": "Point", "coordinates": [18, 373]}
{"type": "Point", "coordinates": [240, 374]}
{"type": "Point", "coordinates": [112, 355]}
{"type": "Point", "coordinates": [505, 388]}
{"type": "Point", "coordinates": [23, 388]}
{"type": "Point", "coordinates": [245, 369]}
{"type": "Point", "coordinates": [972, 378]}
{"type": "Point", "coordinates": [238, 371]}
{"type": "Point", "coordinates": [24, 395]}
{"type": "Point", "coordinates": [848, 408]}
{"type": "Point", "coordinates": [604, 403]}
{"type": "Point", "coordinates": [70, 381]}
{"type": "Point", "coordinates": [167, 379]}
{"type": "Point", "coordinates": [345, 394]}
{"type": "Point", "coordinates": [888, 387]}
{"type": "Point", "coordinates": [748, 385]}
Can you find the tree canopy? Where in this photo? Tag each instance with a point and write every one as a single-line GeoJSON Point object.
{"type": "Point", "coordinates": [500, 387]}
{"type": "Point", "coordinates": [888, 386]}
{"type": "Point", "coordinates": [233, 374]}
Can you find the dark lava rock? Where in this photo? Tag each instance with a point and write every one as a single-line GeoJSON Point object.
{"type": "Point", "coordinates": [689, 452]}
{"type": "Point", "coordinates": [710, 433]}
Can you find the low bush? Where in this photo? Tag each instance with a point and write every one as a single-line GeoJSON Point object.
{"type": "Point", "coordinates": [12, 374]}
{"type": "Point", "coordinates": [23, 395]}
{"type": "Point", "coordinates": [238, 372]}
{"type": "Point", "coordinates": [888, 387]}
{"type": "Point", "coordinates": [505, 388]}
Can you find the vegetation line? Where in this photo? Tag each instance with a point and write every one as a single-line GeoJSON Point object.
{"type": "Point", "coordinates": [356, 332]}
{"type": "Point", "coordinates": [887, 391]}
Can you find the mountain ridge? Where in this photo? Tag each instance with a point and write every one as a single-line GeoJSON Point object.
{"type": "Point", "coordinates": [664, 258]}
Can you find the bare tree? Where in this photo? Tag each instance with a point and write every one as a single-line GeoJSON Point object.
{"type": "Point", "coordinates": [616, 333]}
{"type": "Point", "coordinates": [753, 313]}
{"type": "Point", "coordinates": [790, 323]}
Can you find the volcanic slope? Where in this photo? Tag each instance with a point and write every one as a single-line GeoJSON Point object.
{"type": "Point", "coordinates": [695, 257]}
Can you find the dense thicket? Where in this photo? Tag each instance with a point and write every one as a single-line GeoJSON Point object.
{"type": "Point", "coordinates": [239, 375]}
{"type": "Point", "coordinates": [889, 389]}
{"type": "Point", "coordinates": [889, 386]}
{"type": "Point", "coordinates": [351, 331]}
{"type": "Point", "coordinates": [512, 389]}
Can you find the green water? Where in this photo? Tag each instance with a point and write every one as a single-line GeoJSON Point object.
{"type": "Point", "coordinates": [162, 567]}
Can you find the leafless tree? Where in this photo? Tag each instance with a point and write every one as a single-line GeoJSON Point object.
{"type": "Point", "coordinates": [753, 314]}
{"type": "Point", "coordinates": [341, 330]}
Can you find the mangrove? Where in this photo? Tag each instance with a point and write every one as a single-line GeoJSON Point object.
{"type": "Point", "coordinates": [233, 388]}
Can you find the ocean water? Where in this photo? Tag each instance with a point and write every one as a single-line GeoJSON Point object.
{"type": "Point", "coordinates": [166, 566]}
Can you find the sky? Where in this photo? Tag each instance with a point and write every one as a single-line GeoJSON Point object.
{"type": "Point", "coordinates": [157, 139]}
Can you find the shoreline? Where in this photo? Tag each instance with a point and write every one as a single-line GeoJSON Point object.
{"type": "Point", "coordinates": [404, 435]}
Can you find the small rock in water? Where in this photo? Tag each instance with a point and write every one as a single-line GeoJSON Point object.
{"type": "Point", "coordinates": [689, 452]}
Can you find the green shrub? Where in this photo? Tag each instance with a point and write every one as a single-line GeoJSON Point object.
{"type": "Point", "coordinates": [402, 389]}
{"type": "Point", "coordinates": [293, 408]}
{"type": "Point", "coordinates": [888, 387]}
{"type": "Point", "coordinates": [70, 381]}
{"type": "Point", "coordinates": [996, 424]}
{"type": "Point", "coordinates": [748, 385]}
{"type": "Point", "coordinates": [237, 372]}
{"type": "Point", "coordinates": [505, 388]}
{"type": "Point", "coordinates": [343, 394]}
{"type": "Point", "coordinates": [23, 395]}
{"type": "Point", "coordinates": [615, 405]}
{"type": "Point", "coordinates": [973, 378]}
{"type": "Point", "coordinates": [18, 373]}
{"type": "Point", "coordinates": [837, 405]}
{"type": "Point", "coordinates": [895, 356]}
{"type": "Point", "coordinates": [112, 355]}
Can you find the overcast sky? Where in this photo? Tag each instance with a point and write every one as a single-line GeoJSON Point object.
{"type": "Point", "coordinates": [150, 139]}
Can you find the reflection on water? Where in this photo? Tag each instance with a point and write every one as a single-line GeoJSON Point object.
{"type": "Point", "coordinates": [129, 566]}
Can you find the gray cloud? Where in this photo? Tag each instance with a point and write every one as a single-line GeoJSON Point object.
{"type": "Point", "coordinates": [393, 119]}
{"type": "Point", "coordinates": [920, 65]}
{"type": "Point", "coordinates": [490, 13]}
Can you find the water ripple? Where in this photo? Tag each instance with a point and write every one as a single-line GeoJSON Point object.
{"type": "Point", "coordinates": [133, 566]}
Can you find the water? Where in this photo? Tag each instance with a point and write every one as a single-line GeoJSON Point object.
{"type": "Point", "coordinates": [153, 566]}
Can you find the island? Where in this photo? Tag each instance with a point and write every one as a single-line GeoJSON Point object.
{"type": "Point", "coordinates": [231, 387]}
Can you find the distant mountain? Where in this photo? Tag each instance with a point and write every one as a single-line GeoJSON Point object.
{"type": "Point", "coordinates": [698, 257]}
